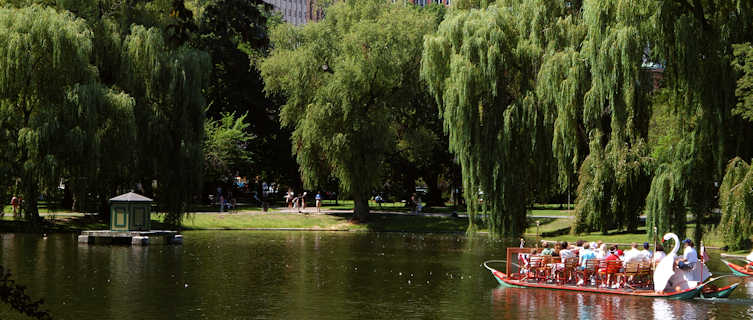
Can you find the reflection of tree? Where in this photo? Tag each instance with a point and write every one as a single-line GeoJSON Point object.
{"type": "Point", "coordinates": [14, 295]}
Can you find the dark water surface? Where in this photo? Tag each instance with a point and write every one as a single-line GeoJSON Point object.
{"type": "Point", "coordinates": [311, 275]}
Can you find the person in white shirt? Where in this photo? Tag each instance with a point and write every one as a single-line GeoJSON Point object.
{"type": "Point", "coordinates": [601, 252]}
{"type": "Point", "coordinates": [749, 266]}
{"type": "Point", "coordinates": [689, 256]}
{"type": "Point", "coordinates": [659, 254]}
{"type": "Point", "coordinates": [645, 253]}
{"type": "Point", "coordinates": [565, 252]}
{"type": "Point", "coordinates": [633, 255]}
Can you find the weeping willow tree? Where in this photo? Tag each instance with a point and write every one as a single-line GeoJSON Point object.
{"type": "Point", "coordinates": [44, 61]}
{"type": "Point", "coordinates": [595, 92]}
{"type": "Point", "coordinates": [168, 84]}
{"type": "Point", "coordinates": [695, 40]}
{"type": "Point", "coordinates": [481, 67]}
{"type": "Point", "coordinates": [342, 78]}
{"type": "Point", "coordinates": [736, 201]}
{"type": "Point", "coordinates": [103, 129]}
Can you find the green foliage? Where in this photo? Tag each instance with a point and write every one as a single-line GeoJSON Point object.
{"type": "Point", "coordinates": [736, 201]}
{"type": "Point", "coordinates": [481, 66]}
{"type": "Point", "coordinates": [168, 85]}
{"type": "Point", "coordinates": [224, 146]}
{"type": "Point", "coordinates": [696, 41]}
{"type": "Point", "coordinates": [234, 32]}
{"type": "Point", "coordinates": [613, 180]}
{"type": "Point", "coordinates": [342, 78]}
{"type": "Point", "coordinates": [743, 63]}
{"type": "Point", "coordinates": [43, 54]}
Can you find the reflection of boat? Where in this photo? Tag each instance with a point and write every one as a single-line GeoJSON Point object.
{"type": "Point", "coordinates": [737, 270]}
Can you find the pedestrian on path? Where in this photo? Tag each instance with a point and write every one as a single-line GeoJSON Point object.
{"type": "Point", "coordinates": [318, 201]}
{"type": "Point", "coordinates": [222, 203]}
{"type": "Point", "coordinates": [14, 204]}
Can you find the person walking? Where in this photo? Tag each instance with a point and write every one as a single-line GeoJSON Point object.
{"type": "Point", "coordinates": [14, 204]}
{"type": "Point", "coordinates": [289, 199]}
{"type": "Point", "coordinates": [318, 201]}
{"type": "Point", "coordinates": [222, 203]}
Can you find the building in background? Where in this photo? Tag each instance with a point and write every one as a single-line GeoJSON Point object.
{"type": "Point", "coordinates": [299, 12]}
{"type": "Point", "coordinates": [293, 11]}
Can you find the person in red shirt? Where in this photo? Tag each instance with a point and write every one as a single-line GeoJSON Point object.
{"type": "Point", "coordinates": [611, 274]}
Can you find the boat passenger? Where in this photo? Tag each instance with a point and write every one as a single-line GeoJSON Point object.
{"type": "Point", "coordinates": [586, 255]}
{"type": "Point", "coordinates": [547, 251]}
{"type": "Point", "coordinates": [601, 251]}
{"type": "Point", "coordinates": [749, 266]}
{"type": "Point", "coordinates": [579, 246]}
{"type": "Point", "coordinates": [619, 252]}
{"type": "Point", "coordinates": [659, 254]}
{"type": "Point", "coordinates": [556, 251]}
{"type": "Point", "coordinates": [689, 256]}
{"type": "Point", "coordinates": [593, 246]}
{"type": "Point", "coordinates": [611, 257]}
{"type": "Point", "coordinates": [567, 253]}
{"type": "Point", "coordinates": [646, 254]}
{"type": "Point", "coordinates": [633, 255]}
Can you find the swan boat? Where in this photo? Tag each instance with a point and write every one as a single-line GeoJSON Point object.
{"type": "Point", "coordinates": [664, 271]}
{"type": "Point", "coordinates": [737, 270]}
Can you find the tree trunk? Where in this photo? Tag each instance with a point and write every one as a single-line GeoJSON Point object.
{"type": "Point", "coordinates": [67, 197]}
{"type": "Point", "coordinates": [30, 198]}
{"type": "Point", "coordinates": [361, 208]}
{"type": "Point", "coordinates": [435, 194]}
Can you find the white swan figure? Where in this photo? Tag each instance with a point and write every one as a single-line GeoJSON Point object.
{"type": "Point", "coordinates": [665, 268]}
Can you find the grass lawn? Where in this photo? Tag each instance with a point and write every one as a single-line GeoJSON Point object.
{"type": "Point", "coordinates": [551, 212]}
{"type": "Point", "coordinates": [377, 222]}
{"type": "Point", "coordinates": [558, 230]}
{"type": "Point", "coordinates": [269, 220]}
{"type": "Point", "coordinates": [348, 205]}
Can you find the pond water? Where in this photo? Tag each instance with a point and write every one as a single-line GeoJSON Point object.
{"type": "Point", "coordinates": [311, 275]}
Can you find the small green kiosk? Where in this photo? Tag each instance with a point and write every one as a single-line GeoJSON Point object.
{"type": "Point", "coordinates": [130, 212]}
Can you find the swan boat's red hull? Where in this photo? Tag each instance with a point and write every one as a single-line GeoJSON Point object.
{"type": "Point", "coordinates": [506, 281]}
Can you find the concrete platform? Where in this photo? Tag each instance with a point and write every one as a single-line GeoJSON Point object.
{"type": "Point", "coordinates": [139, 238]}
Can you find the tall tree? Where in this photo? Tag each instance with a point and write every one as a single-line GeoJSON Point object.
{"type": "Point", "coordinates": [168, 87]}
{"type": "Point", "coordinates": [342, 77]}
{"type": "Point", "coordinates": [613, 178]}
{"type": "Point", "coordinates": [225, 146]}
{"type": "Point", "coordinates": [736, 201]}
{"type": "Point", "coordinates": [234, 33]}
{"type": "Point", "coordinates": [49, 97]}
{"type": "Point", "coordinates": [695, 39]}
{"type": "Point", "coordinates": [481, 67]}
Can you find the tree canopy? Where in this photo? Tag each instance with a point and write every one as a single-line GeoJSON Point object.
{"type": "Point", "coordinates": [51, 103]}
{"type": "Point", "coordinates": [481, 67]}
{"type": "Point", "coordinates": [342, 78]}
